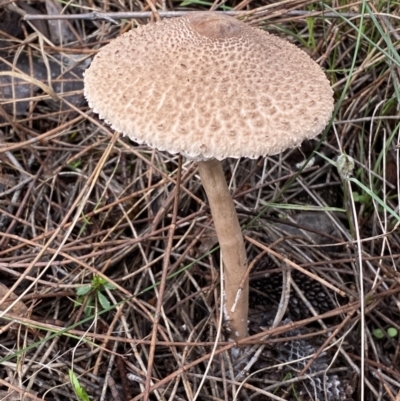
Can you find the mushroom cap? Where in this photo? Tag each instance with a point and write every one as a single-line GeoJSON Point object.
{"type": "Point", "coordinates": [209, 86]}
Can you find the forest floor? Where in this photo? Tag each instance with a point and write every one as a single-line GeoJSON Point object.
{"type": "Point", "coordinates": [88, 223]}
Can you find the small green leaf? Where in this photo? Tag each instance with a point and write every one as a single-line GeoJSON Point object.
{"type": "Point", "coordinates": [190, 2]}
{"type": "Point", "coordinates": [361, 198]}
{"type": "Point", "coordinates": [392, 332]}
{"type": "Point", "coordinates": [97, 281]}
{"type": "Point", "coordinates": [78, 301]}
{"type": "Point", "coordinates": [73, 379]}
{"type": "Point", "coordinates": [88, 307]}
{"type": "Point", "coordinates": [75, 165]}
{"type": "Point", "coordinates": [378, 333]}
{"type": "Point", "coordinates": [80, 392]}
{"type": "Point", "coordinates": [83, 290]}
{"type": "Point", "coordinates": [104, 302]}
{"type": "Point", "coordinates": [109, 286]}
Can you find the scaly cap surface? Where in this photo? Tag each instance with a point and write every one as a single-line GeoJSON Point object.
{"type": "Point", "coordinates": [209, 86]}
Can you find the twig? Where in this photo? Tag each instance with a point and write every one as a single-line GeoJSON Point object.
{"type": "Point", "coordinates": [294, 265]}
{"type": "Point", "coordinates": [163, 281]}
{"type": "Point", "coordinates": [111, 17]}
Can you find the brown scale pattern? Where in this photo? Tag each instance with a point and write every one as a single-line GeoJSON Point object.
{"type": "Point", "coordinates": [207, 85]}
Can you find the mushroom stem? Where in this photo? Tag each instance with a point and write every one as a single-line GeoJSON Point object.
{"type": "Point", "coordinates": [231, 241]}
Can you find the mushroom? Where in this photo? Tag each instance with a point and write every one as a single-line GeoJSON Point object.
{"type": "Point", "coordinates": [209, 87]}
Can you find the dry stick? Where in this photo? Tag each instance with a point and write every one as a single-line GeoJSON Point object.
{"type": "Point", "coordinates": [154, 12]}
{"type": "Point", "coordinates": [301, 14]}
{"type": "Point", "coordinates": [245, 278]}
{"type": "Point", "coordinates": [251, 266]}
{"type": "Point", "coordinates": [159, 170]}
{"type": "Point", "coordinates": [71, 246]}
{"type": "Point", "coordinates": [282, 307]}
{"type": "Point", "coordinates": [19, 220]}
{"type": "Point", "coordinates": [80, 262]}
{"type": "Point", "coordinates": [163, 283]}
{"type": "Point", "coordinates": [278, 330]}
{"type": "Point", "coordinates": [255, 339]}
{"type": "Point", "coordinates": [123, 377]}
{"type": "Point", "coordinates": [183, 255]}
{"type": "Point", "coordinates": [108, 375]}
{"type": "Point", "coordinates": [354, 259]}
{"type": "Point", "coordinates": [110, 330]}
{"type": "Point", "coordinates": [83, 196]}
{"type": "Point", "coordinates": [111, 17]}
{"type": "Point", "coordinates": [55, 132]}
{"type": "Point", "coordinates": [238, 194]}
{"type": "Point", "coordinates": [161, 212]}
{"type": "Point", "coordinates": [22, 207]}
{"type": "Point", "coordinates": [387, 388]}
{"type": "Point", "coordinates": [286, 383]}
{"type": "Point", "coordinates": [43, 351]}
{"type": "Point", "coordinates": [113, 388]}
{"type": "Point", "coordinates": [34, 81]}
{"type": "Point", "coordinates": [296, 266]}
{"type": "Point", "coordinates": [23, 393]}
{"type": "Point", "coordinates": [69, 257]}
{"type": "Point", "coordinates": [327, 341]}
{"type": "Point", "coordinates": [262, 13]}
{"type": "Point", "coordinates": [93, 213]}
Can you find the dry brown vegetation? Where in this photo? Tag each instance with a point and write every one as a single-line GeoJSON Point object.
{"type": "Point", "coordinates": [94, 227]}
